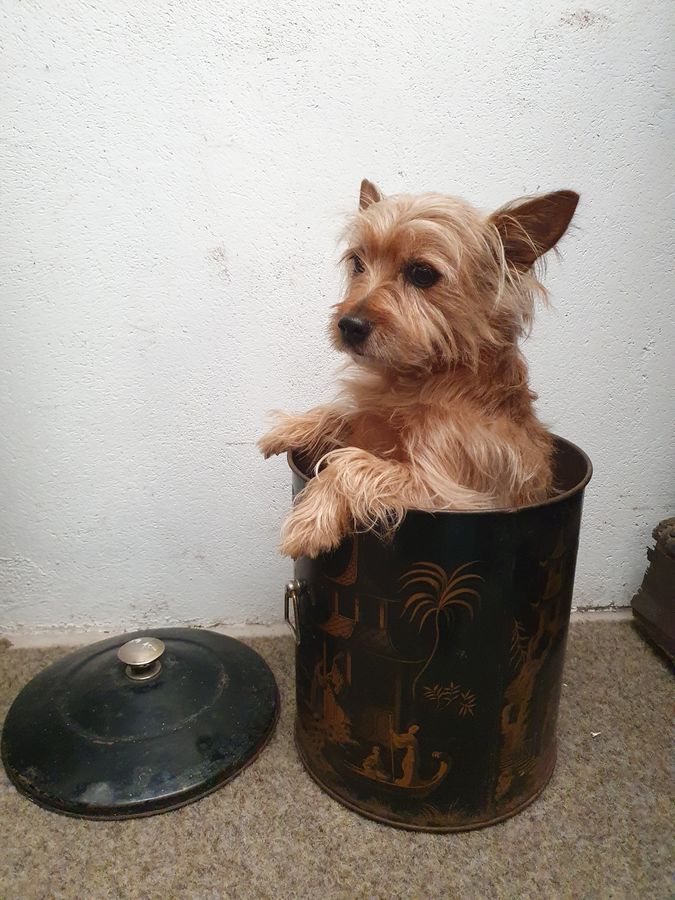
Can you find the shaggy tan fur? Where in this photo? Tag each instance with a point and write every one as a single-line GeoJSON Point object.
{"type": "Point", "coordinates": [436, 413]}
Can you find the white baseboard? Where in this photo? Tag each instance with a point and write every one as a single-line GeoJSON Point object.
{"type": "Point", "coordinates": [600, 614]}
{"type": "Point", "coordinates": [77, 637]}
{"type": "Point", "coordinates": [60, 637]}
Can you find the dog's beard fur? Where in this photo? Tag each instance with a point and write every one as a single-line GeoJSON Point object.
{"type": "Point", "coordinates": [437, 412]}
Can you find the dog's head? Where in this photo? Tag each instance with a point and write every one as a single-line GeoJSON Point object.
{"type": "Point", "coordinates": [432, 282]}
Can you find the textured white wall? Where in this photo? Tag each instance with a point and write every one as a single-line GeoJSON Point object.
{"type": "Point", "coordinates": [174, 177]}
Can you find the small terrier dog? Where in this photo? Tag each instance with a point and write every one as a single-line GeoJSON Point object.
{"type": "Point", "coordinates": [437, 413]}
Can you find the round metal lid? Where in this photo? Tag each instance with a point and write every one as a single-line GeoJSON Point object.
{"type": "Point", "coordinates": [139, 723]}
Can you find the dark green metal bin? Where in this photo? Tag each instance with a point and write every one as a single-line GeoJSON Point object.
{"type": "Point", "coordinates": [429, 668]}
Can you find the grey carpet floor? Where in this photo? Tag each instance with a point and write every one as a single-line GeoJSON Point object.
{"type": "Point", "coordinates": [601, 829]}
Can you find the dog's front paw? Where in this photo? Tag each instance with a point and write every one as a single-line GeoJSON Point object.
{"type": "Point", "coordinates": [273, 443]}
{"type": "Point", "coordinates": [306, 534]}
{"type": "Point", "coordinates": [279, 439]}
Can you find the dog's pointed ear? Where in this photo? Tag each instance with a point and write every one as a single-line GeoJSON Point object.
{"type": "Point", "coordinates": [533, 227]}
{"type": "Point", "coordinates": [369, 194]}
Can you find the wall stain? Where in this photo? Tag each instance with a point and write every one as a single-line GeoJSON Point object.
{"type": "Point", "coordinates": [580, 19]}
{"type": "Point", "coordinates": [218, 255]}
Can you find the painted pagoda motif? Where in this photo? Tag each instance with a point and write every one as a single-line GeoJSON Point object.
{"type": "Point", "coordinates": [356, 657]}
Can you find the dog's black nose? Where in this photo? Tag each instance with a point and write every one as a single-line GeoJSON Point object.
{"type": "Point", "coordinates": [354, 330]}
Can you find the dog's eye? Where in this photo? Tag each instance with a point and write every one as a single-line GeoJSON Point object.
{"type": "Point", "coordinates": [357, 264]}
{"type": "Point", "coordinates": [421, 275]}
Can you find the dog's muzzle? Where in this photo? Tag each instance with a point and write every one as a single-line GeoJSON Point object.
{"type": "Point", "coordinates": [354, 330]}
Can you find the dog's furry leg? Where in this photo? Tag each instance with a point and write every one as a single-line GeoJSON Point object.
{"type": "Point", "coordinates": [357, 490]}
{"type": "Point", "coordinates": [319, 521]}
{"type": "Point", "coordinates": [316, 432]}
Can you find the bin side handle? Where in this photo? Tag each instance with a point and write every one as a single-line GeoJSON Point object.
{"type": "Point", "coordinates": [291, 595]}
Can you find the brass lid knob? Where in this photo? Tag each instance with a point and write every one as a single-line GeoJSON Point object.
{"type": "Point", "coordinates": [141, 657]}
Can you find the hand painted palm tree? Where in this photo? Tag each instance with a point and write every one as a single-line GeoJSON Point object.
{"type": "Point", "coordinates": [440, 595]}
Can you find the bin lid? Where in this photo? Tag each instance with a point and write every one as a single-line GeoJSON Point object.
{"type": "Point", "coordinates": [139, 723]}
